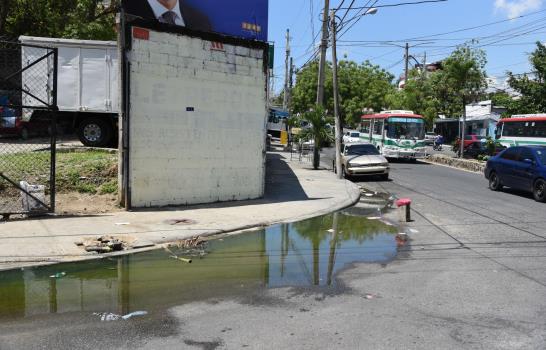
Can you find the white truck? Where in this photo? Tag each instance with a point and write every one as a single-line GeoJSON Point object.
{"type": "Point", "coordinates": [87, 87]}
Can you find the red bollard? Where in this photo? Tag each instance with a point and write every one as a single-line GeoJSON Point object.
{"type": "Point", "coordinates": [405, 202]}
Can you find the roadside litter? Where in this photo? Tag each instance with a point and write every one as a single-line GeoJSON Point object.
{"type": "Point", "coordinates": [104, 244]}
{"type": "Point", "coordinates": [108, 316]}
{"type": "Point", "coordinates": [58, 275]}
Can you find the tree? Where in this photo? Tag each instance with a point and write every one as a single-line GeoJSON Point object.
{"type": "Point", "coordinates": [532, 90]}
{"type": "Point", "coordinates": [360, 86]}
{"type": "Point", "coordinates": [82, 19]}
{"type": "Point", "coordinates": [318, 131]}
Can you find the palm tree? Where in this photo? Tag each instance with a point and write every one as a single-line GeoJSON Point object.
{"type": "Point", "coordinates": [318, 131]}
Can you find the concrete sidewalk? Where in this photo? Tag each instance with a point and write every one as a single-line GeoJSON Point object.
{"type": "Point", "coordinates": [293, 192]}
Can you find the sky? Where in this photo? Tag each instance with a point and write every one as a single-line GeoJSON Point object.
{"type": "Point", "coordinates": [507, 43]}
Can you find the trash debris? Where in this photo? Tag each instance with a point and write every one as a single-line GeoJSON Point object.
{"type": "Point", "coordinates": [58, 275]}
{"type": "Point", "coordinates": [104, 244]}
{"type": "Point", "coordinates": [189, 261]}
{"type": "Point", "coordinates": [330, 231]}
{"type": "Point", "coordinates": [108, 316]}
{"type": "Point", "coordinates": [123, 223]}
{"type": "Point", "coordinates": [133, 314]}
{"type": "Point", "coordinates": [368, 194]}
{"type": "Point", "coordinates": [371, 296]}
{"type": "Point", "coordinates": [374, 218]}
{"type": "Point", "coordinates": [189, 243]}
{"type": "Point", "coordinates": [413, 231]}
{"type": "Point", "coordinates": [32, 197]}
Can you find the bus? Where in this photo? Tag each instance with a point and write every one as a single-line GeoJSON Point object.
{"type": "Point", "coordinates": [521, 130]}
{"type": "Point", "coordinates": [396, 134]}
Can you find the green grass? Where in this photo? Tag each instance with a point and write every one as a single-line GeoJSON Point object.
{"type": "Point", "coordinates": [85, 172]}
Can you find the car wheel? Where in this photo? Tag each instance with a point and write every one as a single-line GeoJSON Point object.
{"type": "Point", "coordinates": [539, 190]}
{"type": "Point", "coordinates": [95, 132]}
{"type": "Point", "coordinates": [24, 134]}
{"type": "Point", "coordinates": [494, 182]}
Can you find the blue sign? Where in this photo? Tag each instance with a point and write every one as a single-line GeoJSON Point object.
{"type": "Point", "coordinates": [240, 18]}
{"type": "Point", "coordinates": [406, 120]}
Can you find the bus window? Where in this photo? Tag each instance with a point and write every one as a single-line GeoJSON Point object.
{"type": "Point", "coordinates": [365, 127]}
{"type": "Point", "coordinates": [378, 127]}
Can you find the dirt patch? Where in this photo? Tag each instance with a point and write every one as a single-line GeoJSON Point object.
{"type": "Point", "coordinates": [75, 203]}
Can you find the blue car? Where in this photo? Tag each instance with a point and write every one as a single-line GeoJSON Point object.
{"type": "Point", "coordinates": [522, 168]}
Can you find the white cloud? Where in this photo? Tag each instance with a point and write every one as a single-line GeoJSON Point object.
{"type": "Point", "coordinates": [515, 8]}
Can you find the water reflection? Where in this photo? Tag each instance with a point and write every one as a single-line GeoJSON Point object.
{"type": "Point", "coordinates": [309, 252]}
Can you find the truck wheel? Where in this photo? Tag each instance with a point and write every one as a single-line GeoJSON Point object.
{"type": "Point", "coordinates": [95, 132]}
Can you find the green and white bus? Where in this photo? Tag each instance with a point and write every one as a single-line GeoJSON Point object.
{"type": "Point", "coordinates": [396, 134]}
{"type": "Point", "coordinates": [522, 130]}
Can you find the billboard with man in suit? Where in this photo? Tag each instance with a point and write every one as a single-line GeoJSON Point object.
{"type": "Point", "coordinates": [240, 18]}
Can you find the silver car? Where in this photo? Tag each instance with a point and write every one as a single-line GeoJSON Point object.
{"type": "Point", "coordinates": [363, 159]}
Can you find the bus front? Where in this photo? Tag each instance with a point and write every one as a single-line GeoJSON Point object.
{"type": "Point", "coordinates": [404, 137]}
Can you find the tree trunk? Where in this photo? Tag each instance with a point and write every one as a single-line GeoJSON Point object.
{"type": "Point", "coordinates": [316, 155]}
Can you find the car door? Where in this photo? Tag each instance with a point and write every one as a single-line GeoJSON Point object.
{"type": "Point", "coordinates": [506, 166]}
{"type": "Point", "coordinates": [524, 169]}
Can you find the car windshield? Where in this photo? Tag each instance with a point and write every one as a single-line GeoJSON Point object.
{"type": "Point", "coordinates": [405, 128]}
{"type": "Point", "coordinates": [362, 150]}
{"type": "Point", "coordinates": [355, 134]}
{"type": "Point", "coordinates": [541, 153]}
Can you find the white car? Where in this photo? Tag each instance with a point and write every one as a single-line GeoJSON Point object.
{"type": "Point", "coordinates": [363, 159]}
{"type": "Point", "coordinates": [351, 137]}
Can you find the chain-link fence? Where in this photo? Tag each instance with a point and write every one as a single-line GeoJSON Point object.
{"type": "Point", "coordinates": [28, 105]}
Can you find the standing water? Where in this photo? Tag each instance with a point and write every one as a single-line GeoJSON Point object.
{"type": "Point", "coordinates": [305, 253]}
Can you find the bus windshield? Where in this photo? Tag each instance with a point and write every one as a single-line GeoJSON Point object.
{"type": "Point", "coordinates": [405, 128]}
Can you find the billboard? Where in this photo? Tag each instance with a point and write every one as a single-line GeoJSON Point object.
{"type": "Point", "coordinates": [241, 18]}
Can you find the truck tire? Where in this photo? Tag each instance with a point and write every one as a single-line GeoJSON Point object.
{"type": "Point", "coordinates": [95, 132]}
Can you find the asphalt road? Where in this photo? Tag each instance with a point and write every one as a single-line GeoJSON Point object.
{"type": "Point", "coordinates": [473, 277]}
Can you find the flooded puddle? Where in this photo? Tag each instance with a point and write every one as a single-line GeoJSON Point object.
{"type": "Point", "coordinates": [306, 253]}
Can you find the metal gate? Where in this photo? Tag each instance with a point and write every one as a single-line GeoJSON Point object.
{"type": "Point", "coordinates": [28, 109]}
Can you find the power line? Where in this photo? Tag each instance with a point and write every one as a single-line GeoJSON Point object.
{"type": "Point", "coordinates": [399, 4]}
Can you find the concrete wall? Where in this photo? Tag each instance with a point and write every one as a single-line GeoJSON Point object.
{"type": "Point", "coordinates": [197, 121]}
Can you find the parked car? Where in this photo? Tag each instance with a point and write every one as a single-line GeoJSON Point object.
{"type": "Point", "coordinates": [478, 148]}
{"type": "Point", "coordinates": [363, 159]}
{"type": "Point", "coordinates": [351, 136]}
{"type": "Point", "coordinates": [522, 168]}
{"type": "Point", "coordinates": [429, 138]}
{"type": "Point", "coordinates": [468, 140]}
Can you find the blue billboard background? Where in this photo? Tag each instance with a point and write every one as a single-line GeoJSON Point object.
{"type": "Point", "coordinates": [240, 18]}
{"type": "Point", "coordinates": [229, 16]}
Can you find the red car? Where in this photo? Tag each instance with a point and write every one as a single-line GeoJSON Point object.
{"type": "Point", "coordinates": [468, 140]}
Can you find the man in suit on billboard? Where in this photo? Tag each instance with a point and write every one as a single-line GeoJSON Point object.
{"type": "Point", "coordinates": [174, 12]}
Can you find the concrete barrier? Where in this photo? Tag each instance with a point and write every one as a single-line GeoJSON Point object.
{"type": "Point", "coordinates": [466, 164]}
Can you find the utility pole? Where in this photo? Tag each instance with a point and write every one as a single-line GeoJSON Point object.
{"type": "Point", "coordinates": [463, 129]}
{"type": "Point", "coordinates": [336, 97]}
{"type": "Point", "coordinates": [290, 81]}
{"type": "Point", "coordinates": [287, 70]}
{"type": "Point", "coordinates": [406, 74]}
{"type": "Point", "coordinates": [323, 48]}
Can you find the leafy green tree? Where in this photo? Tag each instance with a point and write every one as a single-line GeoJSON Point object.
{"type": "Point", "coordinates": [318, 131]}
{"type": "Point", "coordinates": [81, 19]}
{"type": "Point", "coordinates": [532, 90]}
{"type": "Point", "coordinates": [360, 86]}
{"type": "Point", "coordinates": [464, 74]}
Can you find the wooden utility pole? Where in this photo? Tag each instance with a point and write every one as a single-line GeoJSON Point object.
{"type": "Point", "coordinates": [336, 97]}
{"type": "Point", "coordinates": [290, 81]}
{"type": "Point", "coordinates": [406, 74]}
{"type": "Point", "coordinates": [287, 71]}
{"type": "Point", "coordinates": [323, 48]}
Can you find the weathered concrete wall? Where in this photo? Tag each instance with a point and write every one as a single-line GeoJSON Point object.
{"type": "Point", "coordinates": [466, 164]}
{"type": "Point", "coordinates": [197, 121]}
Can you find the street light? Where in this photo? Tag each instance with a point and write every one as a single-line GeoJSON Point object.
{"type": "Point", "coordinates": [370, 11]}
